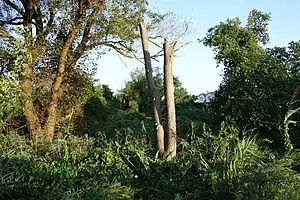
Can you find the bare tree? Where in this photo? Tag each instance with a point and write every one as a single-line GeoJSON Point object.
{"type": "Point", "coordinates": [153, 92]}
{"type": "Point", "coordinates": [166, 148]}
{"type": "Point", "coordinates": [170, 151]}
{"type": "Point", "coordinates": [171, 29]}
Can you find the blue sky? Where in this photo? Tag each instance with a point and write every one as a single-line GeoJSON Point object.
{"type": "Point", "coordinates": [194, 64]}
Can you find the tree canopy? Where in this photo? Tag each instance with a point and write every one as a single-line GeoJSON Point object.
{"type": "Point", "coordinates": [258, 83]}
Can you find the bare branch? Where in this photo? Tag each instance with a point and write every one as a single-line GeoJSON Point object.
{"type": "Point", "coordinates": [185, 44]}
{"type": "Point", "coordinates": [156, 37]}
{"type": "Point", "coordinates": [122, 60]}
{"type": "Point", "coordinates": [86, 32]}
{"type": "Point", "coordinates": [12, 21]}
{"type": "Point", "coordinates": [15, 7]}
{"type": "Point", "coordinates": [157, 45]}
{"type": "Point", "coordinates": [184, 31]}
{"type": "Point", "coordinates": [171, 27]}
{"type": "Point", "coordinates": [127, 54]}
{"type": "Point", "coordinates": [158, 54]}
{"type": "Point", "coordinates": [38, 16]}
{"type": "Point", "coordinates": [113, 45]}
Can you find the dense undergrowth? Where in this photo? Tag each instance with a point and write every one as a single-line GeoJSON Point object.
{"type": "Point", "coordinates": [209, 166]}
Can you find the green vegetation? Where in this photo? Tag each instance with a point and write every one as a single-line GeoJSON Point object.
{"type": "Point", "coordinates": [65, 136]}
{"type": "Point", "coordinates": [211, 166]}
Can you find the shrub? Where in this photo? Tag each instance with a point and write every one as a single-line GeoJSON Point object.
{"type": "Point", "coordinates": [61, 170]}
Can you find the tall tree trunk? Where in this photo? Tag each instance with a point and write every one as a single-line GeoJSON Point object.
{"type": "Point", "coordinates": [55, 90]}
{"type": "Point", "coordinates": [32, 120]}
{"type": "Point", "coordinates": [170, 152]}
{"type": "Point", "coordinates": [153, 92]}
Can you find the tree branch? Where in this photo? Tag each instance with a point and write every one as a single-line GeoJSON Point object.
{"type": "Point", "coordinates": [85, 37]}
{"type": "Point", "coordinates": [156, 37]}
{"type": "Point", "coordinates": [15, 7]}
{"type": "Point", "coordinates": [112, 44]}
{"type": "Point", "coordinates": [127, 54]}
{"type": "Point", "coordinates": [11, 22]}
{"type": "Point", "coordinates": [181, 45]}
{"type": "Point", "coordinates": [48, 28]}
{"type": "Point", "coordinates": [56, 85]}
{"type": "Point", "coordinates": [186, 28]}
{"type": "Point", "coordinates": [158, 54]}
{"type": "Point", "coordinates": [38, 16]}
{"type": "Point", "coordinates": [157, 45]}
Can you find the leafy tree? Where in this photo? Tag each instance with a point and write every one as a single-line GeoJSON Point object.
{"type": "Point", "coordinates": [135, 96]}
{"type": "Point", "coordinates": [55, 36]}
{"type": "Point", "coordinates": [258, 83]}
{"type": "Point", "coordinates": [96, 111]}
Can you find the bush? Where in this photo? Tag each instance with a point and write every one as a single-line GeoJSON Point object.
{"type": "Point", "coordinates": [239, 168]}
{"type": "Point", "coordinates": [10, 103]}
{"type": "Point", "coordinates": [62, 170]}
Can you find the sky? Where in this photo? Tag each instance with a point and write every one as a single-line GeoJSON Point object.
{"type": "Point", "coordinates": [194, 64]}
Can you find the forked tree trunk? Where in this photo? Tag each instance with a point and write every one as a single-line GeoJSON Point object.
{"type": "Point", "coordinates": [55, 90]}
{"type": "Point", "coordinates": [170, 152]}
{"type": "Point", "coordinates": [153, 92]}
{"type": "Point", "coordinates": [34, 125]}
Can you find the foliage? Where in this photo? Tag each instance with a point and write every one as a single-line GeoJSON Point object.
{"type": "Point", "coordinates": [135, 94]}
{"type": "Point", "coordinates": [10, 104]}
{"type": "Point", "coordinates": [239, 168]}
{"type": "Point", "coordinates": [63, 171]}
{"type": "Point", "coordinates": [209, 166]}
{"type": "Point", "coordinates": [58, 36]}
{"type": "Point", "coordinates": [110, 113]}
{"type": "Point", "coordinates": [257, 83]}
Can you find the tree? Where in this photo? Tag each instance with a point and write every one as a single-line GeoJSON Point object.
{"type": "Point", "coordinates": [170, 151]}
{"type": "Point", "coordinates": [134, 96]}
{"type": "Point", "coordinates": [56, 35]}
{"type": "Point", "coordinates": [153, 92]}
{"type": "Point", "coordinates": [258, 83]}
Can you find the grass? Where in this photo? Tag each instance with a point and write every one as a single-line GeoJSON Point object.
{"type": "Point", "coordinates": [209, 166]}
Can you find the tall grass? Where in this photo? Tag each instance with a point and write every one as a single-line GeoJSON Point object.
{"type": "Point", "coordinates": [209, 166]}
{"type": "Point", "coordinates": [69, 168]}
